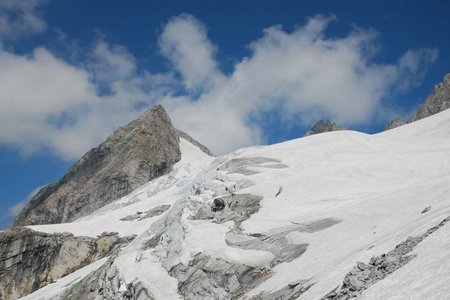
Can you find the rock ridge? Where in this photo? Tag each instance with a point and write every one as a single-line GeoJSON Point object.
{"type": "Point", "coordinates": [437, 101]}
{"type": "Point", "coordinates": [323, 126]}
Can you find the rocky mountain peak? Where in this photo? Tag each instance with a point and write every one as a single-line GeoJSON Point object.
{"type": "Point", "coordinates": [323, 126]}
{"type": "Point", "coordinates": [437, 101]}
{"type": "Point", "coordinates": [134, 154]}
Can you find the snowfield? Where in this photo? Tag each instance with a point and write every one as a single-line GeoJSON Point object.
{"type": "Point", "coordinates": [346, 196]}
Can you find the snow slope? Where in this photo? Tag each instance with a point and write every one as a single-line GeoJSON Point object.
{"type": "Point", "coordinates": [373, 187]}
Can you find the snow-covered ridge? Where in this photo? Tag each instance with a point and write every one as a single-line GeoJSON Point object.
{"type": "Point", "coordinates": [297, 215]}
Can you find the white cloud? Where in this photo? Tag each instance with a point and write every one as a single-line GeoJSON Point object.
{"type": "Point", "coordinates": [413, 65]}
{"type": "Point", "coordinates": [111, 63]}
{"type": "Point", "coordinates": [21, 17]}
{"type": "Point", "coordinates": [39, 95]}
{"type": "Point", "coordinates": [48, 103]}
{"type": "Point", "coordinates": [185, 43]}
{"type": "Point", "coordinates": [304, 74]}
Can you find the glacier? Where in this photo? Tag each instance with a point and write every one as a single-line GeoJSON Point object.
{"type": "Point", "coordinates": [297, 216]}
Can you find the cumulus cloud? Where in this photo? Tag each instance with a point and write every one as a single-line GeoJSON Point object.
{"type": "Point", "coordinates": [303, 74]}
{"type": "Point", "coordinates": [21, 17]}
{"type": "Point", "coordinates": [185, 43]}
{"type": "Point", "coordinates": [39, 95]}
{"type": "Point", "coordinates": [48, 103]}
{"type": "Point", "coordinates": [413, 66]}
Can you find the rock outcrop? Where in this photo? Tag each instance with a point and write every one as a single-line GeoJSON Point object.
{"type": "Point", "coordinates": [144, 149]}
{"type": "Point", "coordinates": [188, 138]}
{"type": "Point", "coordinates": [30, 260]}
{"type": "Point", "coordinates": [438, 101]}
{"type": "Point", "coordinates": [362, 276]}
{"type": "Point", "coordinates": [395, 123]}
{"type": "Point", "coordinates": [323, 126]}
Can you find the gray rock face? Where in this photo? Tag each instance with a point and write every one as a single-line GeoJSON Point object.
{"type": "Point", "coordinates": [395, 123]}
{"type": "Point", "coordinates": [187, 137]}
{"type": "Point", "coordinates": [323, 126]}
{"type": "Point", "coordinates": [438, 101]}
{"type": "Point", "coordinates": [30, 260]}
{"type": "Point", "coordinates": [134, 154]}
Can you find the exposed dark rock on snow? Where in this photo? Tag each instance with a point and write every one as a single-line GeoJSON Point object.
{"type": "Point", "coordinates": [155, 211]}
{"type": "Point", "coordinates": [218, 205]}
{"type": "Point", "coordinates": [144, 149]}
{"type": "Point", "coordinates": [30, 260]}
{"type": "Point", "coordinates": [438, 101]}
{"type": "Point", "coordinates": [280, 189]}
{"type": "Point", "coordinates": [323, 126]}
{"type": "Point", "coordinates": [364, 275]}
{"type": "Point", "coordinates": [289, 292]}
{"type": "Point", "coordinates": [426, 209]}
{"type": "Point", "coordinates": [234, 207]}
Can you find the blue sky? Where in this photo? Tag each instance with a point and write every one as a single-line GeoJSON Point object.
{"type": "Point", "coordinates": [231, 73]}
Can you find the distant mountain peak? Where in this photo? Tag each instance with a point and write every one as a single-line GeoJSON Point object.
{"type": "Point", "coordinates": [323, 126]}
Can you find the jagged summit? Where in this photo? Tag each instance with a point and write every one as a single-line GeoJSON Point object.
{"type": "Point", "coordinates": [134, 154]}
{"type": "Point", "coordinates": [323, 126]}
{"type": "Point", "coordinates": [438, 101]}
